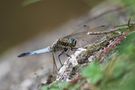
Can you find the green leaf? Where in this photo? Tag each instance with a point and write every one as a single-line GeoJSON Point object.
{"type": "Point", "coordinates": [93, 73]}
{"type": "Point", "coordinates": [44, 88]}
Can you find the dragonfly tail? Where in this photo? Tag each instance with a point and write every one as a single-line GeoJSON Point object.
{"type": "Point", "coordinates": [36, 52]}
{"type": "Point", "coordinates": [24, 54]}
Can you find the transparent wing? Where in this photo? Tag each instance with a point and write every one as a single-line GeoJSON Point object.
{"type": "Point", "coordinates": [84, 33]}
{"type": "Point", "coordinates": [89, 36]}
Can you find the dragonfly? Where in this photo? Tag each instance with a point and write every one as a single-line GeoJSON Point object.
{"type": "Point", "coordinates": [74, 41]}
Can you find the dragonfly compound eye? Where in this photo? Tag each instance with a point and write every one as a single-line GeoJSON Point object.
{"type": "Point", "coordinates": [72, 41]}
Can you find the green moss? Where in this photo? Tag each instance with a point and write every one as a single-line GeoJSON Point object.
{"type": "Point", "coordinates": [93, 73]}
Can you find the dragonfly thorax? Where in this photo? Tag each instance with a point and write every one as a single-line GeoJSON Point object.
{"type": "Point", "coordinates": [65, 43]}
{"type": "Point", "coordinates": [71, 42]}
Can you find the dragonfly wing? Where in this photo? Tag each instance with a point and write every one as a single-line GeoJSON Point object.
{"type": "Point", "coordinates": [36, 52]}
{"type": "Point", "coordinates": [83, 33]}
{"type": "Point", "coordinates": [83, 41]}
{"type": "Point", "coordinates": [83, 38]}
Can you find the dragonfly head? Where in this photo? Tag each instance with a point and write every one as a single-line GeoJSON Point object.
{"type": "Point", "coordinates": [72, 41]}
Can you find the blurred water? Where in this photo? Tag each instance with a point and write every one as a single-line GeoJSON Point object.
{"type": "Point", "coordinates": [19, 23]}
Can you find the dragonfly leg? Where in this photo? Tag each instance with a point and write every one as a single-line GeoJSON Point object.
{"type": "Point", "coordinates": [55, 68]}
{"type": "Point", "coordinates": [61, 54]}
{"type": "Point", "coordinates": [59, 57]}
{"type": "Point", "coordinates": [67, 54]}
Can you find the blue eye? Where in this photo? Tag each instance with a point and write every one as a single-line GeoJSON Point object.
{"type": "Point", "coordinates": [71, 40]}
